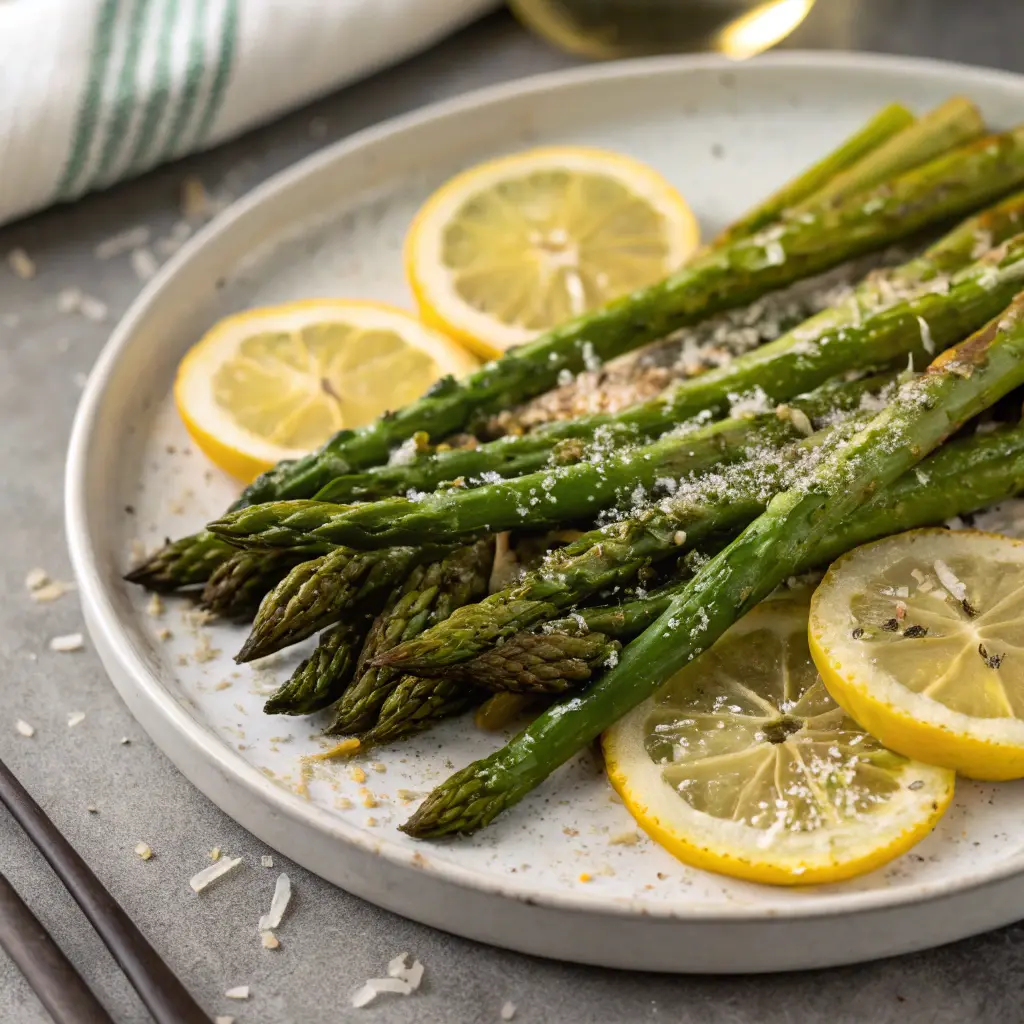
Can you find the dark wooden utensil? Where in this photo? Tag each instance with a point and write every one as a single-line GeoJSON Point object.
{"type": "Point", "coordinates": [164, 995]}
{"type": "Point", "coordinates": [59, 986]}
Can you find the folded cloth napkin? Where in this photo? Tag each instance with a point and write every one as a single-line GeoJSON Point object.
{"type": "Point", "coordinates": [92, 91]}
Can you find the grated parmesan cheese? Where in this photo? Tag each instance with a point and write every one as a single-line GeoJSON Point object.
{"type": "Point", "coordinates": [144, 851]}
{"type": "Point", "coordinates": [278, 905]}
{"type": "Point", "coordinates": [67, 644]}
{"type": "Point", "coordinates": [949, 580]}
{"type": "Point", "coordinates": [124, 241]}
{"type": "Point", "coordinates": [201, 879]}
{"type": "Point", "coordinates": [21, 264]}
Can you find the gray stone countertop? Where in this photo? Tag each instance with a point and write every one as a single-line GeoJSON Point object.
{"type": "Point", "coordinates": [332, 941]}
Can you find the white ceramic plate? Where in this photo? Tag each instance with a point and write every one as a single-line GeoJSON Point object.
{"type": "Point", "coordinates": [333, 225]}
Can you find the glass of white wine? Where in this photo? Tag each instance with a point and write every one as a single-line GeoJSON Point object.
{"type": "Point", "coordinates": [632, 28]}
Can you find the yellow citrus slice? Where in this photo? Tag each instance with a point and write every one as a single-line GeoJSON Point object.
{"type": "Point", "coordinates": [743, 764]}
{"type": "Point", "coordinates": [274, 383]}
{"type": "Point", "coordinates": [518, 245]}
{"type": "Point", "coordinates": [921, 638]}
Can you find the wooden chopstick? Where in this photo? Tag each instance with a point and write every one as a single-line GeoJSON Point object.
{"type": "Point", "coordinates": [59, 986]}
{"type": "Point", "coordinates": [163, 994]}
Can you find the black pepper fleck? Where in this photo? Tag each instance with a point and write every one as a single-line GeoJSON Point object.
{"type": "Point", "coordinates": [914, 632]}
{"type": "Point", "coordinates": [857, 633]}
{"type": "Point", "coordinates": [890, 626]}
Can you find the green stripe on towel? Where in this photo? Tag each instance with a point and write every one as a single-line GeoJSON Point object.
{"type": "Point", "coordinates": [89, 110]}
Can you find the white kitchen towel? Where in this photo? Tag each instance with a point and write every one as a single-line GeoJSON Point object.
{"type": "Point", "coordinates": [92, 91]}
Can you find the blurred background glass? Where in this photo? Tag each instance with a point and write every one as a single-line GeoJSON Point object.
{"type": "Point", "coordinates": [631, 28]}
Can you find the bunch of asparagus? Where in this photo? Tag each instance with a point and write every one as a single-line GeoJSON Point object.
{"type": "Point", "coordinates": [685, 510]}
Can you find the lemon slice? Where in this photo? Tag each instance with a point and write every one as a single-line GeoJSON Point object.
{"type": "Point", "coordinates": [743, 764]}
{"type": "Point", "coordinates": [275, 383]}
{"type": "Point", "coordinates": [921, 638]}
{"type": "Point", "coordinates": [513, 247]}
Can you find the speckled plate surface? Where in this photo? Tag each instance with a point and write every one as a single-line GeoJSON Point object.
{"type": "Point", "coordinates": [333, 225]}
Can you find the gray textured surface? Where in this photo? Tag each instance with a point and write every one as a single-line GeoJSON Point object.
{"type": "Point", "coordinates": [332, 941]}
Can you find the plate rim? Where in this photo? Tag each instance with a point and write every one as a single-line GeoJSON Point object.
{"type": "Point", "coordinates": [103, 619]}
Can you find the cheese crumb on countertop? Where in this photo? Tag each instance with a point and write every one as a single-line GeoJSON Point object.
{"type": "Point", "coordinates": [67, 644]}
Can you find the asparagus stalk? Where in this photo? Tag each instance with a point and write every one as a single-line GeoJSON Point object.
{"type": "Point", "coordinates": [321, 679]}
{"type": "Point", "coordinates": [959, 384]}
{"type": "Point", "coordinates": [541, 662]}
{"type": "Point", "coordinates": [724, 278]}
{"type": "Point", "coordinates": [889, 123]}
{"type": "Point", "coordinates": [415, 704]}
{"type": "Point", "coordinates": [843, 330]}
{"type": "Point", "coordinates": [962, 477]}
{"type": "Point", "coordinates": [559, 495]}
{"type": "Point", "coordinates": [237, 586]}
{"type": "Point", "coordinates": [317, 593]}
{"type": "Point", "coordinates": [430, 594]}
{"type": "Point", "coordinates": [951, 124]}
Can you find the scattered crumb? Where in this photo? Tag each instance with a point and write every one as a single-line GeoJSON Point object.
{"type": "Point", "coordinates": [224, 684]}
{"type": "Point", "coordinates": [371, 822]}
{"type": "Point", "coordinates": [24, 728]}
{"type": "Point", "coordinates": [124, 741]}
{"type": "Point", "coordinates": [67, 644]}
{"type": "Point", "coordinates": [625, 839]}
{"type": "Point", "coordinates": [92, 309]}
{"type": "Point", "coordinates": [367, 798]}
{"type": "Point", "coordinates": [195, 202]}
{"type": "Point", "coordinates": [343, 749]}
{"type": "Point", "coordinates": [508, 1010]}
{"type": "Point", "coordinates": [407, 794]}
{"type": "Point", "coordinates": [379, 766]}
{"type": "Point", "coordinates": [570, 831]}
{"type": "Point", "coordinates": [204, 651]}
{"type": "Point", "coordinates": [585, 877]}
{"type": "Point", "coordinates": [69, 300]}
{"type": "Point", "coordinates": [92, 809]}
{"type": "Point", "coordinates": [201, 879]}
{"type": "Point", "coordinates": [238, 992]}
{"type": "Point", "coordinates": [269, 940]}
{"type": "Point", "coordinates": [267, 861]}
{"type": "Point", "coordinates": [36, 579]}
{"type": "Point", "coordinates": [22, 264]}
{"type": "Point", "coordinates": [215, 853]}
{"type": "Point", "coordinates": [278, 904]}
{"type": "Point", "coordinates": [357, 774]}
{"type": "Point", "coordinates": [342, 803]}
{"type": "Point", "coordinates": [122, 242]}
{"type": "Point", "coordinates": [155, 606]}
{"type": "Point", "coordinates": [402, 979]}
{"type": "Point", "coordinates": [144, 264]}
{"type": "Point", "coordinates": [75, 718]}
{"type": "Point", "coordinates": [144, 851]}
{"type": "Point", "coordinates": [52, 591]}
{"type": "Point", "coordinates": [222, 1019]}
{"type": "Point", "coordinates": [175, 240]}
